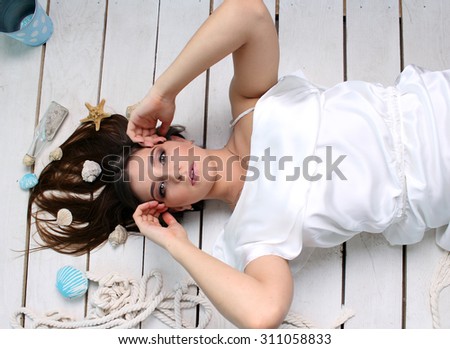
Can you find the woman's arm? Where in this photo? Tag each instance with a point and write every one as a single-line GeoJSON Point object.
{"type": "Point", "coordinates": [258, 298]}
{"type": "Point", "coordinates": [244, 28]}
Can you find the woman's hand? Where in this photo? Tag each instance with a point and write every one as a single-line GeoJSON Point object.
{"type": "Point", "coordinates": [147, 216]}
{"type": "Point", "coordinates": [144, 118]}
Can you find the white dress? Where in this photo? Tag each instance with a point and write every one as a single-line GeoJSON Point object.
{"type": "Point", "coordinates": [327, 164]}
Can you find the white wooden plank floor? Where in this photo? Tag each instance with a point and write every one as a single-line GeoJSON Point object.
{"type": "Point", "coordinates": [115, 49]}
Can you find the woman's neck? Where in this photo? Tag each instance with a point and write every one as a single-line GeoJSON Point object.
{"type": "Point", "coordinates": [229, 176]}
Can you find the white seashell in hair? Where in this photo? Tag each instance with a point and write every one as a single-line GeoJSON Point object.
{"type": "Point", "coordinates": [64, 217]}
{"type": "Point", "coordinates": [91, 171]}
{"type": "Point", "coordinates": [118, 236]}
{"type": "Point", "coordinates": [55, 155]}
{"type": "Point", "coordinates": [71, 282]}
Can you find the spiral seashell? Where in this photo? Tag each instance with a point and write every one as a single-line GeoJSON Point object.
{"type": "Point", "coordinates": [64, 217]}
{"type": "Point", "coordinates": [28, 181]}
{"type": "Point", "coordinates": [28, 160]}
{"type": "Point", "coordinates": [71, 282]}
{"type": "Point", "coordinates": [55, 155]}
{"type": "Point", "coordinates": [118, 236]}
{"type": "Point", "coordinates": [91, 171]}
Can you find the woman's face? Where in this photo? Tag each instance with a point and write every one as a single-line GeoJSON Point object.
{"type": "Point", "coordinates": [172, 173]}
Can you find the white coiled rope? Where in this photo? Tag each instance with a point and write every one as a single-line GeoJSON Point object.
{"type": "Point", "coordinates": [123, 303]}
{"type": "Point", "coordinates": [120, 302]}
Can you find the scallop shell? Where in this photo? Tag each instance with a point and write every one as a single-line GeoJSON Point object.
{"type": "Point", "coordinates": [55, 155]}
{"type": "Point", "coordinates": [64, 217]}
{"type": "Point", "coordinates": [91, 171]}
{"type": "Point", "coordinates": [28, 160]}
{"type": "Point", "coordinates": [71, 282]}
{"type": "Point", "coordinates": [28, 181]}
{"type": "Point", "coordinates": [118, 236]}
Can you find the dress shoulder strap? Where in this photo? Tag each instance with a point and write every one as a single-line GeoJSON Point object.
{"type": "Point", "coordinates": [240, 116]}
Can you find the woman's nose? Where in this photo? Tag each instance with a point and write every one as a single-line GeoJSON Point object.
{"type": "Point", "coordinates": [175, 174]}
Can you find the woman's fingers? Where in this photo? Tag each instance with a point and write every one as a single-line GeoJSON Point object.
{"type": "Point", "coordinates": [144, 210]}
{"type": "Point", "coordinates": [164, 128]}
{"type": "Point", "coordinates": [140, 127]}
{"type": "Point", "coordinates": [150, 141]}
{"type": "Point", "coordinates": [169, 219]}
{"type": "Point", "coordinates": [149, 211]}
{"type": "Point", "coordinates": [147, 138]}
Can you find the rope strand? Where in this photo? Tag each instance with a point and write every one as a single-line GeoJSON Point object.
{"type": "Point", "coordinates": [124, 303]}
{"type": "Point", "coordinates": [441, 280]}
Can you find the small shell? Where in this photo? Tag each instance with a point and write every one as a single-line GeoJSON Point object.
{"type": "Point", "coordinates": [130, 109]}
{"type": "Point", "coordinates": [55, 155]}
{"type": "Point", "coordinates": [71, 282]}
{"type": "Point", "coordinates": [28, 160]}
{"type": "Point", "coordinates": [64, 217]}
{"type": "Point", "coordinates": [28, 181]}
{"type": "Point", "coordinates": [91, 171]}
{"type": "Point", "coordinates": [118, 236]}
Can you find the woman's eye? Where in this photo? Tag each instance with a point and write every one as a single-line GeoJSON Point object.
{"type": "Point", "coordinates": [162, 158]}
{"type": "Point", "coordinates": [162, 189]}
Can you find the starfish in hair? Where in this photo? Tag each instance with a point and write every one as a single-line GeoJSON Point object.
{"type": "Point", "coordinates": [96, 114]}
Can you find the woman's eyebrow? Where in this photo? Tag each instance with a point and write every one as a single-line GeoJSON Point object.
{"type": "Point", "coordinates": [152, 186]}
{"type": "Point", "coordinates": [152, 190]}
{"type": "Point", "coordinates": [152, 155]}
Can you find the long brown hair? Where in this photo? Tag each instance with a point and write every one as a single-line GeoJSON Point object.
{"type": "Point", "coordinates": [97, 207]}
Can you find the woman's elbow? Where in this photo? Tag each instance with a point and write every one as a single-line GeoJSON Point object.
{"type": "Point", "coordinates": [251, 10]}
{"type": "Point", "coordinates": [265, 318]}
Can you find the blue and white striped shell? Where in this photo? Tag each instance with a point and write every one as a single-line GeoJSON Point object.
{"type": "Point", "coordinates": [28, 181]}
{"type": "Point", "coordinates": [71, 282]}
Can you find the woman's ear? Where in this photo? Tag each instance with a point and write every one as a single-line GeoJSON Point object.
{"type": "Point", "coordinates": [181, 208]}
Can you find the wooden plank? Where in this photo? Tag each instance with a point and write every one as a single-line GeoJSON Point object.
{"type": "Point", "coordinates": [373, 284]}
{"type": "Point", "coordinates": [19, 83]}
{"type": "Point", "coordinates": [178, 22]}
{"type": "Point", "coordinates": [129, 57]}
{"type": "Point", "coordinates": [422, 261]}
{"type": "Point", "coordinates": [71, 73]}
{"type": "Point", "coordinates": [127, 76]}
{"type": "Point", "coordinates": [425, 33]}
{"type": "Point", "coordinates": [373, 40]}
{"type": "Point", "coordinates": [217, 134]}
{"type": "Point", "coordinates": [425, 38]}
{"type": "Point", "coordinates": [311, 39]}
{"type": "Point", "coordinates": [318, 288]}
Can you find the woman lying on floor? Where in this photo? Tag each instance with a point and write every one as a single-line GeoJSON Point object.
{"type": "Point", "coordinates": [303, 167]}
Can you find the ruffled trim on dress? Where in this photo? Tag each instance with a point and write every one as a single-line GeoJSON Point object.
{"type": "Point", "coordinates": [393, 120]}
